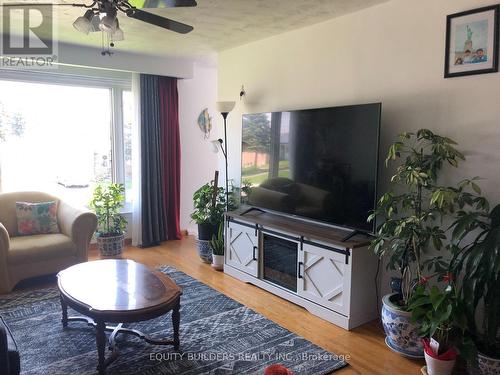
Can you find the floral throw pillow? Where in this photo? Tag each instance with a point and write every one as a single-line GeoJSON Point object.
{"type": "Point", "coordinates": [36, 218]}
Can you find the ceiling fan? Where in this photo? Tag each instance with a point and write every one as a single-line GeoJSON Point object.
{"type": "Point", "coordinates": [101, 15]}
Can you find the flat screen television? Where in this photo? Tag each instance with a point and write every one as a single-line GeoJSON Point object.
{"type": "Point", "coordinates": [318, 164]}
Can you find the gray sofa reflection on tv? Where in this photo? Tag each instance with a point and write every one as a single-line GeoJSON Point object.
{"type": "Point", "coordinates": [284, 195]}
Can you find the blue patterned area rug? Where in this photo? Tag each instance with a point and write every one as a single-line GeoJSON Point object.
{"type": "Point", "coordinates": [218, 336]}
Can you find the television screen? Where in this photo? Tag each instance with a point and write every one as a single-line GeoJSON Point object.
{"type": "Point", "coordinates": [319, 164]}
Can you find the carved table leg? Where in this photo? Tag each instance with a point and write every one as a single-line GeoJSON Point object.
{"type": "Point", "coordinates": [176, 318]}
{"type": "Point", "coordinates": [101, 346]}
{"type": "Point", "coordinates": [64, 308]}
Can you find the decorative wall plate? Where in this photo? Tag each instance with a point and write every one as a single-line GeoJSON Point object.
{"type": "Point", "coordinates": [205, 123]}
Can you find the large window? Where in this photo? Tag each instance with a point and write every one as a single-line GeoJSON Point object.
{"type": "Point", "coordinates": [128, 118]}
{"type": "Point", "coordinates": [64, 139]}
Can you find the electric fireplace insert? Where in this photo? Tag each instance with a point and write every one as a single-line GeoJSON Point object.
{"type": "Point", "coordinates": [280, 261]}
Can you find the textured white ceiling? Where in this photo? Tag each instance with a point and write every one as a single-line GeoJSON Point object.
{"type": "Point", "coordinates": [218, 24]}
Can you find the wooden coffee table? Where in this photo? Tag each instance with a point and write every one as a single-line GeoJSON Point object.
{"type": "Point", "coordinates": [118, 291]}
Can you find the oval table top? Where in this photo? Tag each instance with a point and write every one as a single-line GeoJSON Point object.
{"type": "Point", "coordinates": [117, 285]}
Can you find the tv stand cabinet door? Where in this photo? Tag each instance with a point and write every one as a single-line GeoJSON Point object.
{"type": "Point", "coordinates": [242, 248]}
{"type": "Point", "coordinates": [324, 278]}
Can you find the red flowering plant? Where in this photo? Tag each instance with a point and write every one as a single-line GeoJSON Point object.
{"type": "Point", "coordinates": [436, 303]}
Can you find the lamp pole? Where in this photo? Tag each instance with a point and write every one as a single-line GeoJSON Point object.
{"type": "Point", "coordinates": [224, 108]}
{"type": "Point", "coordinates": [224, 115]}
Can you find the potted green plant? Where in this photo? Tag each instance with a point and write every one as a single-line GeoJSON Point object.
{"type": "Point", "coordinates": [107, 201]}
{"type": "Point", "coordinates": [209, 207]}
{"type": "Point", "coordinates": [477, 259]}
{"type": "Point", "coordinates": [440, 311]}
{"type": "Point", "coordinates": [234, 195]}
{"type": "Point", "coordinates": [217, 245]}
{"type": "Point", "coordinates": [409, 212]}
{"type": "Point", "coordinates": [246, 189]}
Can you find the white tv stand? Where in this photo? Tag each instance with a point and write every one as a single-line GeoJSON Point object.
{"type": "Point", "coordinates": [334, 280]}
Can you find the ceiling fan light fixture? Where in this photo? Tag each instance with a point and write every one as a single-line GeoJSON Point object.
{"type": "Point", "coordinates": [83, 23]}
{"type": "Point", "coordinates": [118, 34]}
{"type": "Point", "coordinates": [109, 22]}
{"type": "Point", "coordinates": [96, 21]}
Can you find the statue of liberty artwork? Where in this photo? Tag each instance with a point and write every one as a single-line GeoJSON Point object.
{"type": "Point", "coordinates": [474, 39]}
{"type": "Point", "coordinates": [468, 42]}
{"type": "Point", "coordinates": [472, 42]}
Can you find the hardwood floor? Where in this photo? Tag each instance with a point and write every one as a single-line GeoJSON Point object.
{"type": "Point", "coordinates": [364, 345]}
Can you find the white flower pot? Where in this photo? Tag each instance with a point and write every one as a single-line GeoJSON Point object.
{"type": "Point", "coordinates": [218, 262]}
{"type": "Point", "coordinates": [437, 366]}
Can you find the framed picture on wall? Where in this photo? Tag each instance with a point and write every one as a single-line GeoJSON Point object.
{"type": "Point", "coordinates": [472, 42]}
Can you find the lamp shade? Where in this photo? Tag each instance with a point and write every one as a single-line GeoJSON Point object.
{"type": "Point", "coordinates": [108, 21]}
{"type": "Point", "coordinates": [83, 23]}
{"type": "Point", "coordinates": [108, 24]}
{"type": "Point", "coordinates": [216, 145]}
{"type": "Point", "coordinates": [118, 35]}
{"type": "Point", "coordinates": [225, 107]}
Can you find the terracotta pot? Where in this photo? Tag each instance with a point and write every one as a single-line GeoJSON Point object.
{"type": "Point", "coordinates": [402, 335]}
{"type": "Point", "coordinates": [437, 366]}
{"type": "Point", "coordinates": [110, 245]}
{"type": "Point", "coordinates": [488, 365]}
{"type": "Point", "coordinates": [218, 262]}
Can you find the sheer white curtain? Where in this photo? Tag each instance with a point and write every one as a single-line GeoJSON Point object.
{"type": "Point", "coordinates": [136, 163]}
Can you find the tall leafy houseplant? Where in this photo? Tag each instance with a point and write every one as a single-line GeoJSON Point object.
{"type": "Point", "coordinates": [107, 202]}
{"type": "Point", "coordinates": [409, 212]}
{"type": "Point", "coordinates": [477, 259]}
{"type": "Point", "coordinates": [209, 205]}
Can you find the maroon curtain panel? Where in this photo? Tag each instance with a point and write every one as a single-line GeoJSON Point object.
{"type": "Point", "coordinates": [170, 154]}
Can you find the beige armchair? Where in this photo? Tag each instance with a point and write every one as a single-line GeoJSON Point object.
{"type": "Point", "coordinates": [22, 257]}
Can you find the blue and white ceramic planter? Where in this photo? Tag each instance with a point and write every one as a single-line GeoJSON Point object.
{"type": "Point", "coordinates": [402, 336]}
{"type": "Point", "coordinates": [204, 250]}
{"type": "Point", "coordinates": [488, 365]}
{"type": "Point", "coordinates": [110, 245]}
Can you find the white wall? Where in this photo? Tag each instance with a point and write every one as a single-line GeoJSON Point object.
{"type": "Point", "coordinates": [392, 53]}
{"type": "Point", "coordinates": [198, 162]}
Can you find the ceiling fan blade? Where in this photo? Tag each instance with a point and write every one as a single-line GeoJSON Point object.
{"type": "Point", "coordinates": [140, 4]}
{"type": "Point", "coordinates": [42, 4]}
{"type": "Point", "coordinates": [180, 3]}
{"type": "Point", "coordinates": [160, 21]}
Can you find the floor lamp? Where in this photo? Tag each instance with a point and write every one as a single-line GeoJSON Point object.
{"type": "Point", "coordinates": [224, 108]}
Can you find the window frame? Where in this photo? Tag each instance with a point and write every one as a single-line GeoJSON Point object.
{"type": "Point", "coordinates": [117, 83]}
